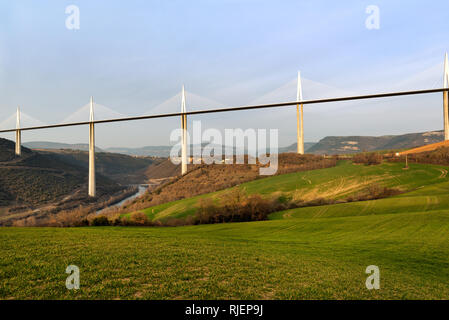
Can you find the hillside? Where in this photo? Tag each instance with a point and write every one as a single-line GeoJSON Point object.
{"type": "Point", "coordinates": [36, 179]}
{"type": "Point", "coordinates": [146, 151]}
{"type": "Point", "coordinates": [166, 168]}
{"type": "Point", "coordinates": [428, 148]}
{"type": "Point", "coordinates": [163, 169]}
{"type": "Point", "coordinates": [7, 150]}
{"type": "Point", "coordinates": [334, 184]}
{"type": "Point", "coordinates": [293, 147]}
{"type": "Point", "coordinates": [57, 145]}
{"type": "Point", "coordinates": [202, 179]}
{"type": "Point", "coordinates": [432, 197]}
{"type": "Point", "coordinates": [354, 144]}
{"type": "Point", "coordinates": [118, 167]}
{"type": "Point", "coordinates": [153, 151]}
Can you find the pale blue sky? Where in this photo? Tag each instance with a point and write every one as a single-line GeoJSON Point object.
{"type": "Point", "coordinates": [134, 55]}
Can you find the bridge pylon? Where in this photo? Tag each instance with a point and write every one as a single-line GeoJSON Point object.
{"type": "Point", "coordinates": [446, 98]}
{"type": "Point", "coordinates": [300, 117]}
{"type": "Point", "coordinates": [184, 133]}
{"type": "Point", "coordinates": [18, 134]}
{"type": "Point", "coordinates": [92, 184]}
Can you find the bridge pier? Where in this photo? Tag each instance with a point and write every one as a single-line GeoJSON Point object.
{"type": "Point", "coordinates": [92, 185]}
{"type": "Point", "coordinates": [300, 118]}
{"type": "Point", "coordinates": [446, 98]}
{"type": "Point", "coordinates": [18, 134]}
{"type": "Point", "coordinates": [184, 134]}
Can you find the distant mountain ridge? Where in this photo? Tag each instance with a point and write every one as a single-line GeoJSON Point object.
{"type": "Point", "coordinates": [354, 144]}
{"type": "Point", "coordinates": [147, 151]}
{"type": "Point", "coordinates": [58, 145]}
{"type": "Point", "coordinates": [154, 151]}
{"type": "Point", "coordinates": [327, 145]}
{"type": "Point", "coordinates": [293, 147]}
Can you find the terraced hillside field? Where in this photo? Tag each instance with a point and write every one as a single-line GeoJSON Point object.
{"type": "Point", "coordinates": [332, 183]}
{"type": "Point", "coordinates": [431, 196]}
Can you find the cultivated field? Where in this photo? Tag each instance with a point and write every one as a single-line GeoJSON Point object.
{"type": "Point", "coordinates": [306, 253]}
{"type": "Point", "coordinates": [335, 183]}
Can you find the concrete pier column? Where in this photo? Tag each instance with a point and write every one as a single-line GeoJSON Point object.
{"type": "Point", "coordinates": [92, 186]}
{"type": "Point", "coordinates": [184, 134]}
{"type": "Point", "coordinates": [446, 98]}
{"type": "Point", "coordinates": [18, 134]}
{"type": "Point", "coordinates": [300, 118]}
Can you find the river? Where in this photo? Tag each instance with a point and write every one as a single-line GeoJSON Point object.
{"type": "Point", "coordinates": [141, 190]}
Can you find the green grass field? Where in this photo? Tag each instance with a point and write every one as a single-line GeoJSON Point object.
{"type": "Point", "coordinates": [307, 253]}
{"type": "Point", "coordinates": [426, 195]}
{"type": "Point", "coordinates": [332, 183]}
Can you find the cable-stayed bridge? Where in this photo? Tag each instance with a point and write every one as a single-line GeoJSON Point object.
{"type": "Point", "coordinates": [299, 102]}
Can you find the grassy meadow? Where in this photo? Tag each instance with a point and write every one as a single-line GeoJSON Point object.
{"type": "Point", "coordinates": [306, 253]}
{"type": "Point", "coordinates": [332, 183]}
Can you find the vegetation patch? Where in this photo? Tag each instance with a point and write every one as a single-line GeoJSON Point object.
{"type": "Point", "coordinates": [370, 158]}
{"type": "Point", "coordinates": [202, 179]}
{"type": "Point", "coordinates": [343, 183]}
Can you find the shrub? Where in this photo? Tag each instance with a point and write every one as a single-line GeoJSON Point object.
{"type": "Point", "coordinates": [371, 158]}
{"type": "Point", "coordinates": [284, 199]}
{"type": "Point", "coordinates": [372, 192]}
{"type": "Point", "coordinates": [100, 221]}
{"type": "Point", "coordinates": [236, 206]}
{"type": "Point", "coordinates": [139, 219]}
{"type": "Point", "coordinates": [82, 223]}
